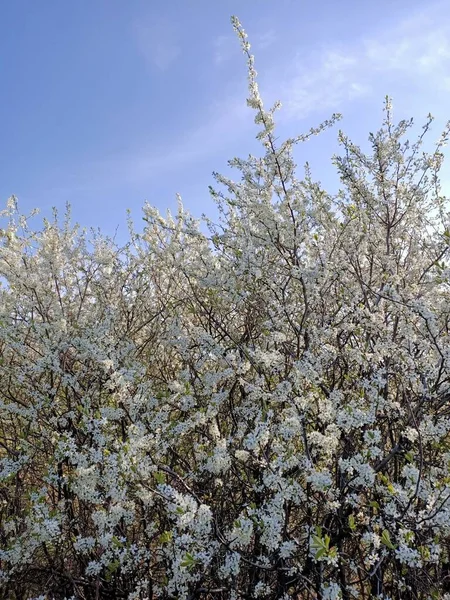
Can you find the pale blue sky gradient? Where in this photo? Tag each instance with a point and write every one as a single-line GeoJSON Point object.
{"type": "Point", "coordinates": [108, 103]}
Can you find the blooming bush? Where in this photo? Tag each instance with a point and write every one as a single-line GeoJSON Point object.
{"type": "Point", "coordinates": [259, 411]}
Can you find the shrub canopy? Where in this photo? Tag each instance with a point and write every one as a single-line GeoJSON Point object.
{"type": "Point", "coordinates": [259, 411]}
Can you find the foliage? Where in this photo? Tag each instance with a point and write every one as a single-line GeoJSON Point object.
{"type": "Point", "coordinates": [257, 412]}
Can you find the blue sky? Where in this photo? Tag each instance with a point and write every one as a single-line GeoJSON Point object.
{"type": "Point", "coordinates": [108, 103]}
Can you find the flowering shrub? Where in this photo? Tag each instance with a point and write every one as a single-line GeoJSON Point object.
{"type": "Point", "coordinates": [262, 411]}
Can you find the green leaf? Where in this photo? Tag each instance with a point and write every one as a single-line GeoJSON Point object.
{"type": "Point", "coordinates": [409, 456]}
{"type": "Point", "coordinates": [351, 522]}
{"type": "Point", "coordinates": [386, 539]}
{"type": "Point", "coordinates": [188, 561]}
{"type": "Point", "coordinates": [165, 537]}
{"type": "Point", "coordinates": [113, 566]}
{"type": "Point", "coordinates": [159, 477]}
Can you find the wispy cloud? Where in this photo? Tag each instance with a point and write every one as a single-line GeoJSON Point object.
{"type": "Point", "coordinates": [226, 47]}
{"type": "Point", "coordinates": [265, 39]}
{"type": "Point", "coordinates": [415, 51]}
{"type": "Point", "coordinates": [330, 79]}
{"type": "Point", "coordinates": [224, 122]}
{"type": "Point", "coordinates": [157, 42]}
{"type": "Point", "coordinates": [418, 47]}
{"type": "Point", "coordinates": [327, 77]}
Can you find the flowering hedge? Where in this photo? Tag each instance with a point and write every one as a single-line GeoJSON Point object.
{"type": "Point", "coordinates": [260, 411]}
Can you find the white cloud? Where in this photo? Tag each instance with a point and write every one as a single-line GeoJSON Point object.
{"type": "Point", "coordinates": [415, 51]}
{"type": "Point", "coordinates": [326, 78]}
{"type": "Point", "coordinates": [227, 46]}
{"type": "Point", "coordinates": [332, 76]}
{"type": "Point", "coordinates": [224, 123]}
{"type": "Point", "coordinates": [158, 43]}
{"type": "Point", "coordinates": [224, 48]}
{"type": "Point", "coordinates": [417, 46]}
{"type": "Point", "coordinates": [327, 82]}
{"type": "Point", "coordinates": [264, 39]}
